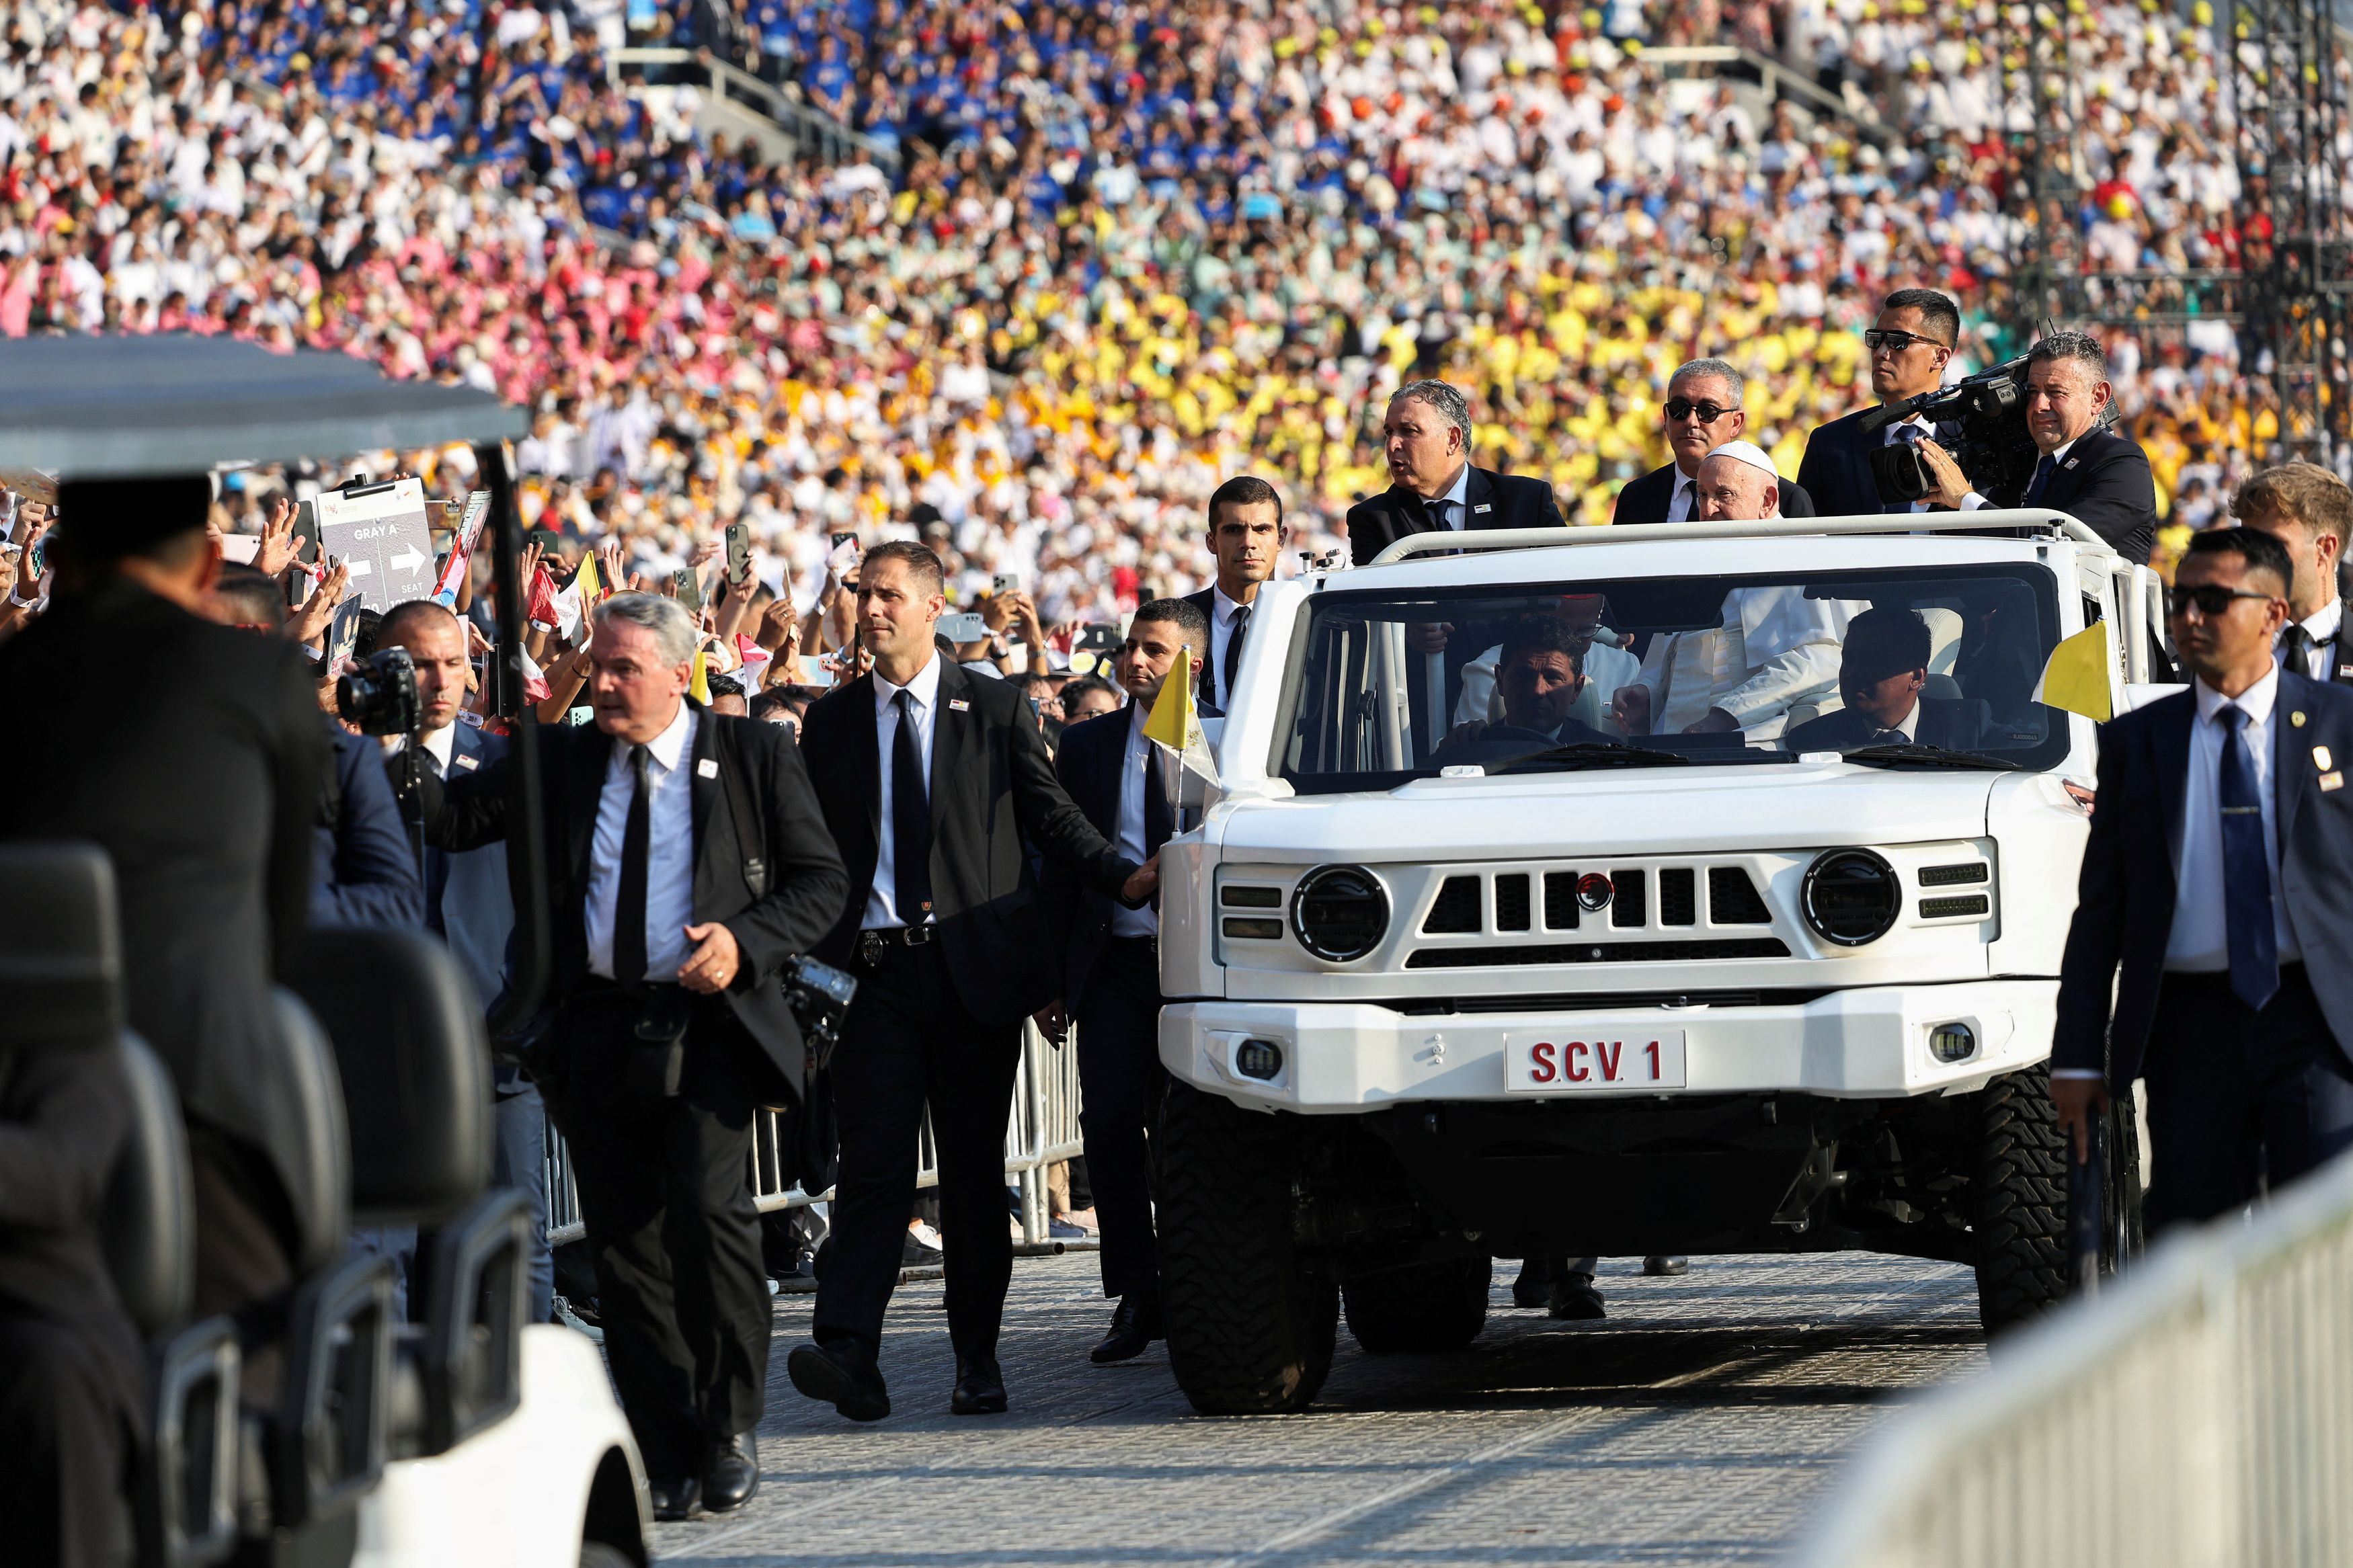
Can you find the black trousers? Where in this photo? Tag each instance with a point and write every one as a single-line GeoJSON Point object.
{"type": "Point", "coordinates": [64, 1451]}
{"type": "Point", "coordinates": [1120, 1080]}
{"type": "Point", "coordinates": [908, 1040]}
{"type": "Point", "coordinates": [671, 1225]}
{"type": "Point", "coordinates": [2236, 1097]}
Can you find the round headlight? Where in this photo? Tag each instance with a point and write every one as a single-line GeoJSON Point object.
{"type": "Point", "coordinates": [1341, 913]}
{"type": "Point", "coordinates": [1851, 897]}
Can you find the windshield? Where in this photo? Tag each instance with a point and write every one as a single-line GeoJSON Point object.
{"type": "Point", "coordinates": [1932, 668]}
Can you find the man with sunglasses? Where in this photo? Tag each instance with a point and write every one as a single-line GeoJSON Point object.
{"type": "Point", "coordinates": [1703, 412]}
{"type": "Point", "coordinates": [1910, 345]}
{"type": "Point", "coordinates": [2218, 878]}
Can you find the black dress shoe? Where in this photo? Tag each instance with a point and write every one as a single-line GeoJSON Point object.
{"type": "Point", "coordinates": [841, 1376]}
{"type": "Point", "coordinates": [979, 1388]}
{"type": "Point", "coordinates": [733, 1474]}
{"type": "Point", "coordinates": [1134, 1326]}
{"type": "Point", "coordinates": [1664, 1264]}
{"type": "Point", "coordinates": [673, 1497]}
{"type": "Point", "coordinates": [1533, 1288]}
{"type": "Point", "coordinates": [1575, 1299]}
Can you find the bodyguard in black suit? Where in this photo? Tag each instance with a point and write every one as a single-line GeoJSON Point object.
{"type": "Point", "coordinates": [1910, 345]}
{"type": "Point", "coordinates": [1882, 670]}
{"type": "Point", "coordinates": [1246, 540]}
{"type": "Point", "coordinates": [1427, 438]}
{"type": "Point", "coordinates": [2216, 904]}
{"type": "Point", "coordinates": [1703, 411]}
{"type": "Point", "coordinates": [2309, 510]}
{"type": "Point", "coordinates": [688, 863]}
{"type": "Point", "coordinates": [1112, 980]}
{"type": "Point", "coordinates": [938, 789]}
{"type": "Point", "coordinates": [202, 792]}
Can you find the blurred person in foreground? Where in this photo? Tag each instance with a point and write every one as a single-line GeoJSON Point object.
{"type": "Point", "coordinates": [468, 902]}
{"type": "Point", "coordinates": [1426, 437]}
{"type": "Point", "coordinates": [1703, 411]}
{"type": "Point", "coordinates": [2309, 510]}
{"type": "Point", "coordinates": [2212, 950]}
{"type": "Point", "coordinates": [1246, 541]}
{"type": "Point", "coordinates": [204, 793]}
{"type": "Point", "coordinates": [936, 785]}
{"type": "Point", "coordinates": [1111, 976]}
{"type": "Point", "coordinates": [666, 1027]}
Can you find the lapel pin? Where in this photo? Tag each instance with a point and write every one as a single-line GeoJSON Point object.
{"type": "Point", "coordinates": [959, 705]}
{"type": "Point", "coordinates": [464, 762]}
{"type": "Point", "coordinates": [1483, 506]}
{"type": "Point", "coordinates": [2331, 781]}
{"type": "Point", "coordinates": [2321, 759]}
{"type": "Point", "coordinates": [2296, 719]}
{"type": "Point", "coordinates": [708, 768]}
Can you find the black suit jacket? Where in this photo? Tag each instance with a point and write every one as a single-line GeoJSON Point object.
{"type": "Point", "coordinates": [805, 879]}
{"type": "Point", "coordinates": [202, 790]}
{"type": "Point", "coordinates": [1090, 766]}
{"type": "Point", "coordinates": [1943, 722]}
{"type": "Point", "coordinates": [993, 799]}
{"type": "Point", "coordinates": [1490, 500]}
{"type": "Point", "coordinates": [1646, 499]}
{"type": "Point", "coordinates": [2105, 481]}
{"type": "Point", "coordinates": [1836, 469]}
{"type": "Point", "coordinates": [2126, 894]}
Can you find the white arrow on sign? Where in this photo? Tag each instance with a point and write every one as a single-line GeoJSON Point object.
{"type": "Point", "coordinates": [408, 560]}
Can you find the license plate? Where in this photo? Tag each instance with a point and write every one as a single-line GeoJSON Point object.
{"type": "Point", "coordinates": [1570, 1061]}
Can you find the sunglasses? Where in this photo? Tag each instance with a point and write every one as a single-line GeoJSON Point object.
{"type": "Point", "coordinates": [2211, 603]}
{"type": "Point", "coordinates": [1877, 339]}
{"type": "Point", "coordinates": [1683, 408]}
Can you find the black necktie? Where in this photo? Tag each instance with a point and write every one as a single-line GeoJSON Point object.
{"type": "Point", "coordinates": [1157, 823]}
{"type": "Point", "coordinates": [2253, 941]}
{"type": "Point", "coordinates": [1233, 661]}
{"type": "Point", "coordinates": [1890, 738]}
{"type": "Point", "coordinates": [2298, 644]}
{"type": "Point", "coordinates": [629, 902]}
{"type": "Point", "coordinates": [910, 819]}
{"type": "Point", "coordinates": [2044, 467]}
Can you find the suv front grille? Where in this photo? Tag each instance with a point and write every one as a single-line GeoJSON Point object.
{"type": "Point", "coordinates": [1491, 956]}
{"type": "Point", "coordinates": [1732, 898]}
{"type": "Point", "coordinates": [1455, 910]}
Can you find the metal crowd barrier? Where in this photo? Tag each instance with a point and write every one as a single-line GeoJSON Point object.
{"type": "Point", "coordinates": [1043, 1130]}
{"type": "Point", "coordinates": [2198, 1412]}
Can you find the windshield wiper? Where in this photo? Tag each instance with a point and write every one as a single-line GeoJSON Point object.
{"type": "Point", "coordinates": [1917, 755]}
{"type": "Point", "coordinates": [1596, 754]}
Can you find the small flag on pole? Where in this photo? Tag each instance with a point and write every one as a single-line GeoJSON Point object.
{"type": "Point", "coordinates": [1175, 723]}
{"type": "Point", "coordinates": [700, 687]}
{"type": "Point", "coordinates": [2076, 677]}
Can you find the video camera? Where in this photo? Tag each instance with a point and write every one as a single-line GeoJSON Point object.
{"type": "Point", "coordinates": [819, 996]}
{"type": "Point", "coordinates": [379, 695]}
{"type": "Point", "coordinates": [1981, 421]}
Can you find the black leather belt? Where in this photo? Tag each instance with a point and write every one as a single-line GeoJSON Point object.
{"type": "Point", "coordinates": [873, 942]}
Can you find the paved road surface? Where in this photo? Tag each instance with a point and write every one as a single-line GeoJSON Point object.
{"type": "Point", "coordinates": [1698, 1424]}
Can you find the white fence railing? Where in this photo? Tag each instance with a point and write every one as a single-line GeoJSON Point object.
{"type": "Point", "coordinates": [2198, 1412]}
{"type": "Point", "coordinates": [1043, 1130]}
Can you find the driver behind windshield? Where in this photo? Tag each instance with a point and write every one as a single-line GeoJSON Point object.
{"type": "Point", "coordinates": [1882, 676]}
{"type": "Point", "coordinates": [1540, 676]}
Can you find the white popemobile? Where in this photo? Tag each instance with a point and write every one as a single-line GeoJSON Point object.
{"type": "Point", "coordinates": [1464, 960]}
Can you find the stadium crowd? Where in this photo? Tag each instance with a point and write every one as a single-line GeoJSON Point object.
{"type": "Point", "coordinates": [1124, 252]}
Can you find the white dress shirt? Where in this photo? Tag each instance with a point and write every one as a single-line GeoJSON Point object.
{"type": "Point", "coordinates": [669, 851]}
{"type": "Point", "coordinates": [923, 702]}
{"type": "Point", "coordinates": [1685, 499]}
{"type": "Point", "coordinates": [1895, 434]}
{"type": "Point", "coordinates": [1222, 612]}
{"type": "Point", "coordinates": [2322, 626]}
{"type": "Point", "coordinates": [1133, 778]}
{"type": "Point", "coordinates": [2199, 941]}
{"type": "Point", "coordinates": [1453, 509]}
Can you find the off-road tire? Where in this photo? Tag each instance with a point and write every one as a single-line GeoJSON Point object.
{"type": "Point", "coordinates": [1424, 1307]}
{"type": "Point", "coordinates": [1250, 1323]}
{"type": "Point", "coordinates": [2021, 1201]}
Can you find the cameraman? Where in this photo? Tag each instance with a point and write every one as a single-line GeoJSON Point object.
{"type": "Point", "coordinates": [1910, 345]}
{"type": "Point", "coordinates": [2095, 476]}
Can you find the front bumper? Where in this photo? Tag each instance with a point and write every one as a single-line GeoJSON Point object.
{"type": "Point", "coordinates": [1865, 1044]}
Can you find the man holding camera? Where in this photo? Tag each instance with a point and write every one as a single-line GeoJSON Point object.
{"type": "Point", "coordinates": [1910, 345]}
{"type": "Point", "coordinates": [2095, 476]}
{"type": "Point", "coordinates": [688, 864]}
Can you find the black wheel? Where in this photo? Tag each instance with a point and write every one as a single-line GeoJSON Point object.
{"type": "Point", "coordinates": [1250, 1323]}
{"type": "Point", "coordinates": [2121, 1233]}
{"type": "Point", "coordinates": [1426, 1307]}
{"type": "Point", "coordinates": [2021, 1201]}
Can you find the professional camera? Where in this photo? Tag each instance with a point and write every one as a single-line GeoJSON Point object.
{"type": "Point", "coordinates": [379, 695]}
{"type": "Point", "coordinates": [819, 996]}
{"type": "Point", "coordinates": [1980, 421]}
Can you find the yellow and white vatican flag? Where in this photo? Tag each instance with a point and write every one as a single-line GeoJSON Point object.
{"type": "Point", "coordinates": [1174, 722]}
{"type": "Point", "coordinates": [2076, 677]}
